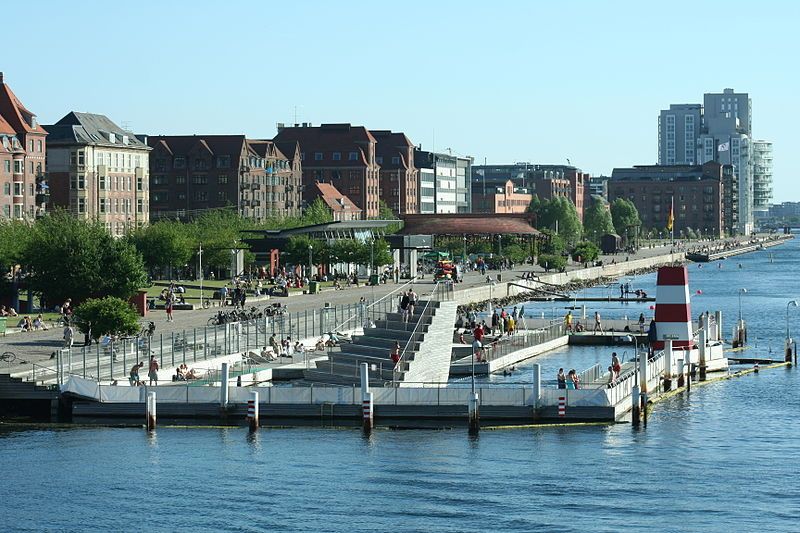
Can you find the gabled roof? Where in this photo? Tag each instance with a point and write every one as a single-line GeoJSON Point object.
{"type": "Point", "coordinates": [5, 127]}
{"type": "Point", "coordinates": [265, 148]}
{"type": "Point", "coordinates": [289, 149]}
{"type": "Point", "coordinates": [329, 138]}
{"type": "Point", "coordinates": [91, 129]}
{"type": "Point", "coordinates": [186, 144]}
{"type": "Point", "coordinates": [393, 144]}
{"type": "Point", "coordinates": [15, 114]}
{"type": "Point", "coordinates": [336, 201]}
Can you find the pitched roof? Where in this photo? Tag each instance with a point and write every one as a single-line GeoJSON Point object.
{"type": "Point", "coordinates": [468, 224]}
{"type": "Point", "coordinates": [327, 139]}
{"type": "Point", "coordinates": [392, 144]}
{"type": "Point", "coordinates": [335, 200]}
{"type": "Point", "coordinates": [265, 148]}
{"type": "Point", "coordinates": [289, 149]}
{"type": "Point", "coordinates": [15, 114]}
{"type": "Point", "coordinates": [91, 129]}
{"type": "Point", "coordinates": [185, 144]}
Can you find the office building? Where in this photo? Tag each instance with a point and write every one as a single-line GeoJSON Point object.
{"type": "Point", "coordinates": [443, 181]}
{"type": "Point", "coordinates": [762, 178]}
{"type": "Point", "coordinates": [678, 130]}
{"type": "Point", "coordinates": [503, 199]}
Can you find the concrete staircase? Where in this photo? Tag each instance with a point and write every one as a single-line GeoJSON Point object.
{"type": "Point", "coordinates": [375, 346]}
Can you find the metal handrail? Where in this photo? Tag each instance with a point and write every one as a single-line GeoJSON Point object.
{"type": "Point", "coordinates": [412, 339]}
{"type": "Point", "coordinates": [374, 303]}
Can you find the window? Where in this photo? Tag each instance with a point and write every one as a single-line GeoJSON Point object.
{"type": "Point", "coordinates": [81, 182]}
{"type": "Point", "coordinates": [353, 156]}
{"type": "Point", "coordinates": [7, 166]}
{"type": "Point", "coordinates": [161, 180]}
{"type": "Point", "coordinates": [30, 189]}
{"type": "Point", "coordinates": [337, 156]}
{"type": "Point", "coordinates": [180, 162]}
{"type": "Point", "coordinates": [224, 161]}
{"type": "Point", "coordinates": [30, 145]}
{"type": "Point", "coordinates": [200, 180]}
{"type": "Point", "coordinates": [302, 156]}
{"type": "Point", "coordinates": [81, 205]}
{"type": "Point", "coordinates": [182, 196]}
{"type": "Point", "coordinates": [396, 160]}
{"type": "Point", "coordinates": [222, 178]}
{"type": "Point", "coordinates": [161, 164]}
{"type": "Point", "coordinates": [222, 196]}
{"type": "Point", "coordinates": [140, 206]}
{"type": "Point", "coordinates": [200, 164]}
{"type": "Point", "coordinates": [7, 189]}
{"type": "Point", "coordinates": [379, 160]}
{"type": "Point", "coordinates": [139, 184]}
{"type": "Point", "coordinates": [102, 205]}
{"type": "Point", "coordinates": [201, 196]}
{"type": "Point", "coordinates": [180, 180]}
{"type": "Point", "coordinates": [19, 166]}
{"type": "Point", "coordinates": [317, 156]}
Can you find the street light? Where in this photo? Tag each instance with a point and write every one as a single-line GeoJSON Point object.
{"type": "Point", "coordinates": [310, 262]}
{"type": "Point", "coordinates": [741, 291]}
{"type": "Point", "coordinates": [790, 303]}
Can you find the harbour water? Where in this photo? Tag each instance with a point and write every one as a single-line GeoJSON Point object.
{"type": "Point", "coordinates": [723, 456]}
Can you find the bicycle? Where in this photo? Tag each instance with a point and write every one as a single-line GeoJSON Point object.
{"type": "Point", "coordinates": [206, 303]}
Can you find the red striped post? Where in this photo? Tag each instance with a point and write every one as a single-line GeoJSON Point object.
{"type": "Point", "coordinates": [562, 406]}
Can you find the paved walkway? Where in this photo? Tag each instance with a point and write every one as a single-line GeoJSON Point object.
{"type": "Point", "coordinates": [36, 347]}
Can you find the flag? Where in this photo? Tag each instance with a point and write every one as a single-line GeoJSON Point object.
{"type": "Point", "coordinates": [724, 147]}
{"type": "Point", "coordinates": [670, 218]}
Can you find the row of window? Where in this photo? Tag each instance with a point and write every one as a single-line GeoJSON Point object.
{"type": "Point", "coordinates": [108, 183]}
{"type": "Point", "coordinates": [19, 189]}
{"type": "Point", "coordinates": [335, 156]}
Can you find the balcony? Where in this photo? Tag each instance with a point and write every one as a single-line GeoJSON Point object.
{"type": "Point", "coordinates": [255, 186]}
{"type": "Point", "coordinates": [245, 185]}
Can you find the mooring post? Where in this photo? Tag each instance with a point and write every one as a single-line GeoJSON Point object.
{"type": "Point", "coordinates": [474, 418]}
{"type": "Point", "coordinates": [537, 384]}
{"type": "Point", "coordinates": [718, 317]}
{"type": "Point", "coordinates": [667, 365]}
{"type": "Point", "coordinates": [643, 375]}
{"type": "Point", "coordinates": [223, 385]}
{"type": "Point", "coordinates": [367, 407]}
{"type": "Point", "coordinates": [150, 411]}
{"type": "Point", "coordinates": [635, 404]}
{"type": "Point", "coordinates": [702, 341]}
{"type": "Point", "coordinates": [688, 363]}
{"type": "Point", "coordinates": [787, 351]}
{"type": "Point", "coordinates": [252, 411]}
{"type": "Point", "coordinates": [679, 371]}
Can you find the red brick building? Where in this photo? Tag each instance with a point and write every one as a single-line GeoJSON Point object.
{"type": "Point", "coordinates": [342, 155]}
{"type": "Point", "coordinates": [399, 177]}
{"type": "Point", "coordinates": [280, 178]}
{"type": "Point", "coordinates": [496, 198]}
{"type": "Point", "coordinates": [24, 192]}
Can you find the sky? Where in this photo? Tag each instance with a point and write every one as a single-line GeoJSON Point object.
{"type": "Point", "coordinates": [501, 81]}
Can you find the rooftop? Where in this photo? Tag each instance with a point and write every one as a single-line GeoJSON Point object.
{"type": "Point", "coordinates": [468, 224]}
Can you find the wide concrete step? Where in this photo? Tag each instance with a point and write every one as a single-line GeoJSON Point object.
{"type": "Point", "coordinates": [391, 334]}
{"type": "Point", "coordinates": [399, 325]}
{"type": "Point", "coordinates": [415, 318]}
{"type": "Point", "coordinates": [387, 344]}
{"type": "Point", "coordinates": [376, 351]}
{"type": "Point", "coordinates": [384, 373]}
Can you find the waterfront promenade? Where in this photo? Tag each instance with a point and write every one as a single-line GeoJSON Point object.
{"type": "Point", "coordinates": [36, 347]}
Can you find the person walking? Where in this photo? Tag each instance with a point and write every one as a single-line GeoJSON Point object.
{"type": "Point", "coordinates": [133, 377]}
{"type": "Point", "coordinates": [405, 304]}
{"type": "Point", "coordinates": [616, 367]}
{"type": "Point", "coordinates": [87, 335]}
{"type": "Point", "coordinates": [395, 355]}
{"type": "Point", "coordinates": [568, 321]}
{"type": "Point", "coordinates": [69, 336]}
{"type": "Point", "coordinates": [153, 371]}
{"type": "Point", "coordinates": [598, 325]}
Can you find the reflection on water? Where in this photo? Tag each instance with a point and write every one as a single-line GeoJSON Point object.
{"type": "Point", "coordinates": [722, 457]}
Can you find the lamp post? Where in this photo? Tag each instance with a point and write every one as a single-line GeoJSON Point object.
{"type": "Point", "coordinates": [310, 260]}
{"type": "Point", "coordinates": [200, 268]}
{"type": "Point", "coordinates": [741, 291]}
{"type": "Point", "coordinates": [464, 259]}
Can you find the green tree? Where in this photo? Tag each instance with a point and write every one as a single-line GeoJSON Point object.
{"type": "Point", "coordinates": [345, 251]}
{"type": "Point", "coordinates": [317, 213]}
{"type": "Point", "coordinates": [13, 238]}
{"type": "Point", "coordinates": [107, 316]}
{"type": "Point", "coordinates": [535, 205]}
{"type": "Point", "coordinates": [164, 244]}
{"type": "Point", "coordinates": [515, 252]}
{"type": "Point", "coordinates": [552, 262]}
{"type": "Point", "coordinates": [585, 251]}
{"type": "Point", "coordinates": [297, 250]}
{"type": "Point", "coordinates": [386, 213]}
{"type": "Point", "coordinates": [72, 258]}
{"type": "Point", "coordinates": [220, 231]}
{"type": "Point", "coordinates": [552, 244]}
{"type": "Point", "coordinates": [597, 220]}
{"type": "Point", "coordinates": [624, 215]}
{"type": "Point", "coordinates": [559, 212]}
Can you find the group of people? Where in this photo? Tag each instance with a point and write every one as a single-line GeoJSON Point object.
{"type": "Point", "coordinates": [152, 373]}
{"type": "Point", "coordinates": [407, 303]}
{"type": "Point", "coordinates": [283, 348]}
{"type": "Point", "coordinates": [28, 324]}
{"type": "Point", "coordinates": [503, 322]}
{"type": "Point", "coordinates": [570, 380]}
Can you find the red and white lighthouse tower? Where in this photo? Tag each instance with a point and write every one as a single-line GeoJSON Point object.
{"type": "Point", "coordinates": [673, 310]}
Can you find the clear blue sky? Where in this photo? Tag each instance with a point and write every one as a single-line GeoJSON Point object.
{"type": "Point", "coordinates": [505, 81]}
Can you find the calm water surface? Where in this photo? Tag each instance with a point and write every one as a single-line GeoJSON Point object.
{"type": "Point", "coordinates": [725, 456]}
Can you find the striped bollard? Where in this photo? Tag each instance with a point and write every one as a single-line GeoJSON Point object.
{"type": "Point", "coordinates": [755, 368]}
{"type": "Point", "coordinates": [562, 406]}
{"type": "Point", "coordinates": [474, 418]}
{"type": "Point", "coordinates": [252, 411]}
{"type": "Point", "coordinates": [150, 411]}
{"type": "Point", "coordinates": [367, 406]}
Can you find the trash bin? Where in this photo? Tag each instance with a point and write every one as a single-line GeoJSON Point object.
{"type": "Point", "coordinates": [3, 325]}
{"type": "Point", "coordinates": [373, 279]}
{"type": "Point", "coordinates": [499, 277]}
{"type": "Point", "coordinates": [313, 287]}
